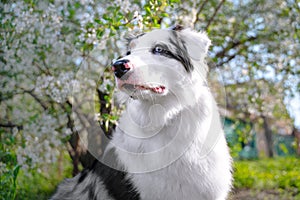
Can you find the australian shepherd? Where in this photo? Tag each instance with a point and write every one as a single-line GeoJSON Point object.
{"type": "Point", "coordinates": [169, 143]}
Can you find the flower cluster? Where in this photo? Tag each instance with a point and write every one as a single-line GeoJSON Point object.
{"type": "Point", "coordinates": [38, 74]}
{"type": "Point", "coordinates": [42, 48]}
{"type": "Point", "coordinates": [42, 140]}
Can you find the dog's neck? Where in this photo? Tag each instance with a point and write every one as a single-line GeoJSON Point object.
{"type": "Point", "coordinates": [147, 129]}
{"type": "Point", "coordinates": [154, 114]}
{"type": "Point", "coordinates": [148, 115]}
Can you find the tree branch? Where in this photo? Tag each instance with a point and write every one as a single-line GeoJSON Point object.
{"type": "Point", "coordinates": [215, 13]}
{"type": "Point", "coordinates": [45, 107]}
{"type": "Point", "coordinates": [47, 72]}
{"type": "Point", "coordinates": [223, 62]}
{"type": "Point", "coordinates": [234, 44]}
{"type": "Point", "coordinates": [200, 10]}
{"type": "Point", "coordinates": [11, 125]}
{"type": "Point", "coordinates": [226, 49]}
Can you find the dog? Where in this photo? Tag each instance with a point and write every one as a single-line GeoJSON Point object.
{"type": "Point", "coordinates": [169, 143]}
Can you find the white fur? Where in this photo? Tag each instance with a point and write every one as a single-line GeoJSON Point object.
{"type": "Point", "coordinates": [172, 143]}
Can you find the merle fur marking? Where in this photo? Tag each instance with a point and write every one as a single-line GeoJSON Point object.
{"type": "Point", "coordinates": [92, 181]}
{"type": "Point", "coordinates": [83, 175]}
{"type": "Point", "coordinates": [181, 52]}
{"type": "Point", "coordinates": [177, 50]}
{"type": "Point", "coordinates": [116, 182]}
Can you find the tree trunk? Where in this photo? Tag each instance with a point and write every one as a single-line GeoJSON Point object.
{"type": "Point", "coordinates": [79, 154]}
{"type": "Point", "coordinates": [296, 134]}
{"type": "Point", "coordinates": [76, 151]}
{"type": "Point", "coordinates": [268, 137]}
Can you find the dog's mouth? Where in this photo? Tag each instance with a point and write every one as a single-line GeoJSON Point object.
{"type": "Point", "coordinates": [158, 89]}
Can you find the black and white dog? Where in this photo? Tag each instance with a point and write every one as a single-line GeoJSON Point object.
{"type": "Point", "coordinates": [169, 143]}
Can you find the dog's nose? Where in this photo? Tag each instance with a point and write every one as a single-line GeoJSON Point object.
{"type": "Point", "coordinates": [121, 67]}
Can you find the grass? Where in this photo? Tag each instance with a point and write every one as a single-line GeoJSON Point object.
{"type": "Point", "coordinates": [40, 186]}
{"type": "Point", "coordinates": [265, 178]}
{"type": "Point", "coordinates": [279, 175]}
{"type": "Point", "coordinates": [35, 186]}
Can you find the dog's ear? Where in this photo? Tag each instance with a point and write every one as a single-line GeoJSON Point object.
{"type": "Point", "coordinates": [177, 27]}
{"type": "Point", "coordinates": [131, 39]}
{"type": "Point", "coordinates": [197, 43]}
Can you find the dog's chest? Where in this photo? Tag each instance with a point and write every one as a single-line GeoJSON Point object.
{"type": "Point", "coordinates": [177, 181]}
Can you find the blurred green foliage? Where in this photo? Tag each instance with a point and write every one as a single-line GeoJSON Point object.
{"type": "Point", "coordinates": [37, 185]}
{"type": "Point", "coordinates": [9, 168]}
{"type": "Point", "coordinates": [17, 184]}
{"type": "Point", "coordinates": [282, 173]}
{"type": "Point", "coordinates": [240, 136]}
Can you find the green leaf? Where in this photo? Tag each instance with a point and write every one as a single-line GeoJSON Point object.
{"type": "Point", "coordinates": [98, 21]}
{"type": "Point", "coordinates": [100, 33]}
{"type": "Point", "coordinates": [16, 171]}
{"type": "Point", "coordinates": [106, 17]}
{"type": "Point", "coordinates": [148, 10]}
{"type": "Point", "coordinates": [105, 116]}
{"type": "Point", "coordinates": [165, 15]}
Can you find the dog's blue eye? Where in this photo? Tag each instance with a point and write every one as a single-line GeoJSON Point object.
{"type": "Point", "coordinates": [128, 53]}
{"type": "Point", "coordinates": [158, 50]}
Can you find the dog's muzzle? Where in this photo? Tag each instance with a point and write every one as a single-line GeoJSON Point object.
{"type": "Point", "coordinates": [121, 67]}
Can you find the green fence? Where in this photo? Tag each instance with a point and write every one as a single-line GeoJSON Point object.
{"type": "Point", "coordinates": [241, 139]}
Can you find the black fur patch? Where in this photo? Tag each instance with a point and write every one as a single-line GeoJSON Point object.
{"type": "Point", "coordinates": [181, 53]}
{"type": "Point", "coordinates": [83, 175]}
{"type": "Point", "coordinates": [92, 195]}
{"type": "Point", "coordinates": [116, 182]}
{"type": "Point", "coordinates": [177, 27]}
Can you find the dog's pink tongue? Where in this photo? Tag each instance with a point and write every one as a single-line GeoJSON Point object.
{"type": "Point", "coordinates": [158, 89]}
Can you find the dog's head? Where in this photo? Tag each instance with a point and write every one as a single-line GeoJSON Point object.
{"type": "Point", "coordinates": [162, 61]}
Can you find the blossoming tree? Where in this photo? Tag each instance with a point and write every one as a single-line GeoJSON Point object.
{"type": "Point", "coordinates": [45, 43]}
